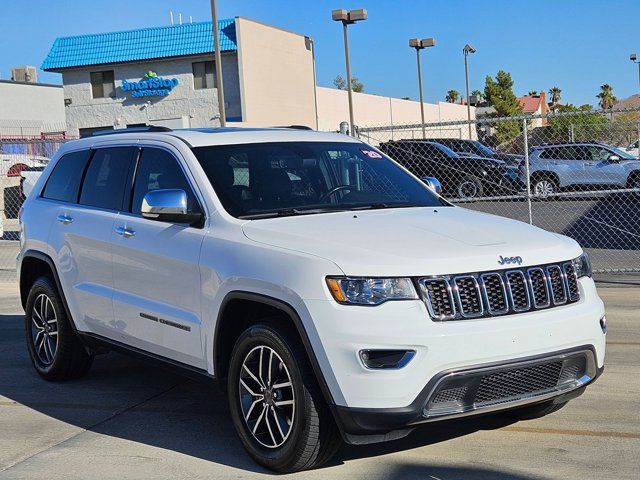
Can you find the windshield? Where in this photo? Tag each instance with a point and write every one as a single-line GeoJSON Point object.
{"type": "Point", "coordinates": [623, 154]}
{"type": "Point", "coordinates": [483, 149]}
{"type": "Point", "coordinates": [444, 149]}
{"type": "Point", "coordinates": [289, 178]}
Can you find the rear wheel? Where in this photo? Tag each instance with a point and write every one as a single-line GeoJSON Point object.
{"type": "Point", "coordinates": [55, 350]}
{"type": "Point", "coordinates": [535, 411]}
{"type": "Point", "coordinates": [276, 405]}
{"type": "Point", "coordinates": [634, 182]}
{"type": "Point", "coordinates": [544, 186]}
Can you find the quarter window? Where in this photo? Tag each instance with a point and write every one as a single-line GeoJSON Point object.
{"type": "Point", "coordinates": [102, 84]}
{"type": "Point", "coordinates": [106, 178]}
{"type": "Point", "coordinates": [64, 182]}
{"type": "Point", "coordinates": [204, 75]}
{"type": "Point", "coordinates": [159, 170]}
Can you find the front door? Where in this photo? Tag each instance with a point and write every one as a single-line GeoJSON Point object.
{"type": "Point", "coordinates": [155, 268]}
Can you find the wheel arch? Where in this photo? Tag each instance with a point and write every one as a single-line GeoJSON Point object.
{"type": "Point", "coordinates": [233, 319]}
{"type": "Point", "coordinates": [545, 174]}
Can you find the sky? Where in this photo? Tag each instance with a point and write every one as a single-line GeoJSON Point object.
{"type": "Point", "coordinates": [576, 45]}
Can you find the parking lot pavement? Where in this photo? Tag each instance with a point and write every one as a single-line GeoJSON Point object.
{"type": "Point", "coordinates": [130, 420]}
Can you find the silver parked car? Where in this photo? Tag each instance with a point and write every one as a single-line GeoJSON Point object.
{"type": "Point", "coordinates": [553, 167]}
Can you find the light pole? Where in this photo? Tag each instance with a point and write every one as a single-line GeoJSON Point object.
{"type": "Point", "coordinates": [467, 50]}
{"type": "Point", "coordinates": [634, 58]}
{"type": "Point", "coordinates": [218, 57]}
{"type": "Point", "coordinates": [347, 17]}
{"type": "Point", "coordinates": [419, 45]}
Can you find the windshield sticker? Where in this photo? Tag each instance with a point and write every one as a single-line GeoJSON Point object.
{"type": "Point", "coordinates": [371, 153]}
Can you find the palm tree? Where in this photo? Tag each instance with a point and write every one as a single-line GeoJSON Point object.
{"type": "Point", "coordinates": [554, 96]}
{"type": "Point", "coordinates": [606, 96]}
{"type": "Point", "coordinates": [452, 96]}
{"type": "Point", "coordinates": [478, 94]}
{"type": "Point", "coordinates": [532, 93]}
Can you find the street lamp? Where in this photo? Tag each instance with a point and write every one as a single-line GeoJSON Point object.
{"type": "Point", "coordinates": [419, 45]}
{"type": "Point", "coordinates": [218, 57]}
{"type": "Point", "coordinates": [634, 58]}
{"type": "Point", "coordinates": [467, 50]}
{"type": "Point", "coordinates": [347, 17]}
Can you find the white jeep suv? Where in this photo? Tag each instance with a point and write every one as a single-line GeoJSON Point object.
{"type": "Point", "coordinates": [332, 292]}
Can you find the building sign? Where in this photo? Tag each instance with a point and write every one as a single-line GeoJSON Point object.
{"type": "Point", "coordinates": [150, 86]}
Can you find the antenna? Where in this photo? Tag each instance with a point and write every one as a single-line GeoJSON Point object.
{"type": "Point", "coordinates": [190, 19]}
{"type": "Point", "coordinates": [180, 19]}
{"type": "Point", "coordinates": [171, 17]}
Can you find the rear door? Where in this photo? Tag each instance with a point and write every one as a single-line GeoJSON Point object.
{"type": "Point", "coordinates": [156, 267]}
{"type": "Point", "coordinates": [81, 236]}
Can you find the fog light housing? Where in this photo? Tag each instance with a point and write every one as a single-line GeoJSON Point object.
{"type": "Point", "coordinates": [603, 324]}
{"type": "Point", "coordinates": [386, 359]}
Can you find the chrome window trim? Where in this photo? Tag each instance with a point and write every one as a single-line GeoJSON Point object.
{"type": "Point", "coordinates": [546, 287]}
{"type": "Point", "coordinates": [563, 281]}
{"type": "Point", "coordinates": [459, 297]}
{"type": "Point", "coordinates": [510, 290]}
{"type": "Point", "coordinates": [503, 288]}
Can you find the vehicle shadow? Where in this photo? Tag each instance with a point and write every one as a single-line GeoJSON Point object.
{"type": "Point", "coordinates": [126, 398]}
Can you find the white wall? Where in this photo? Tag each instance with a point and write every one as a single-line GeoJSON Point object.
{"type": "Point", "coordinates": [28, 108]}
{"type": "Point", "coordinates": [183, 107]}
{"type": "Point", "coordinates": [375, 110]}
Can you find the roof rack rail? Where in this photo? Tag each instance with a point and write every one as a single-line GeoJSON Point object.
{"type": "Point", "coordinates": [295, 127]}
{"type": "Point", "coordinates": [148, 128]}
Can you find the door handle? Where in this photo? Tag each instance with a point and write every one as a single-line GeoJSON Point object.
{"type": "Point", "coordinates": [125, 232]}
{"type": "Point", "coordinates": [65, 219]}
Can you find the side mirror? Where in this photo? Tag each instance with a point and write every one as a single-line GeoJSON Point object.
{"type": "Point", "coordinates": [433, 184]}
{"type": "Point", "coordinates": [614, 158]}
{"type": "Point", "coordinates": [168, 206]}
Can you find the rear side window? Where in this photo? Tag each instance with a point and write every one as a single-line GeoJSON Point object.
{"type": "Point", "coordinates": [64, 182]}
{"type": "Point", "coordinates": [549, 153]}
{"type": "Point", "coordinates": [106, 178]}
{"type": "Point", "coordinates": [159, 170]}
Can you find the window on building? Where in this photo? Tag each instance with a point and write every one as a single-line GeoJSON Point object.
{"type": "Point", "coordinates": [102, 84]}
{"type": "Point", "coordinates": [204, 75]}
{"type": "Point", "coordinates": [64, 182]}
{"type": "Point", "coordinates": [106, 178]}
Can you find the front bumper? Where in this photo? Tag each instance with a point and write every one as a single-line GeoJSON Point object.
{"type": "Point", "coordinates": [559, 377]}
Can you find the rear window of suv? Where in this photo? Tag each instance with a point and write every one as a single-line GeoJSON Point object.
{"type": "Point", "coordinates": [64, 182]}
{"type": "Point", "coordinates": [106, 178]}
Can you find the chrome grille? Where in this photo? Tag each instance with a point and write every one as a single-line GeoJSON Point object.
{"type": "Point", "coordinates": [487, 294]}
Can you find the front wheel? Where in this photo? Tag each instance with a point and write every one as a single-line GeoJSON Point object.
{"type": "Point", "coordinates": [544, 187]}
{"type": "Point", "coordinates": [276, 405]}
{"type": "Point", "coordinates": [470, 187]}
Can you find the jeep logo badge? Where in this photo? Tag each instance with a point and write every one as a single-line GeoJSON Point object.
{"type": "Point", "coordinates": [509, 260]}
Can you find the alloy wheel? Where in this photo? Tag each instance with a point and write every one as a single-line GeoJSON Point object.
{"type": "Point", "coordinates": [267, 397]}
{"type": "Point", "coordinates": [468, 189]}
{"type": "Point", "coordinates": [44, 329]}
{"type": "Point", "coordinates": [544, 188]}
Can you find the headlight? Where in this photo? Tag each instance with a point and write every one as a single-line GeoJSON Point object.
{"type": "Point", "coordinates": [582, 265]}
{"type": "Point", "coordinates": [371, 291]}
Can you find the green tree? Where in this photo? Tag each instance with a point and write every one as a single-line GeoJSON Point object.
{"type": "Point", "coordinates": [452, 96]}
{"type": "Point", "coordinates": [341, 84]}
{"type": "Point", "coordinates": [606, 96]}
{"type": "Point", "coordinates": [478, 94]}
{"type": "Point", "coordinates": [582, 127]}
{"type": "Point", "coordinates": [499, 94]}
{"type": "Point", "coordinates": [533, 93]}
{"type": "Point", "coordinates": [555, 94]}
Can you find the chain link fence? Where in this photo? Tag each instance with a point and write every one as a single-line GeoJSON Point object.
{"type": "Point", "coordinates": [22, 159]}
{"type": "Point", "coordinates": [576, 173]}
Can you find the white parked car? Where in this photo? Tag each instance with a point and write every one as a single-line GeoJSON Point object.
{"type": "Point", "coordinates": [332, 292]}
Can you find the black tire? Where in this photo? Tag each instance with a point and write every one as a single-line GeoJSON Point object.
{"type": "Point", "coordinates": [634, 182]}
{"type": "Point", "coordinates": [538, 410]}
{"type": "Point", "coordinates": [469, 187]}
{"type": "Point", "coordinates": [544, 186]}
{"type": "Point", "coordinates": [69, 359]}
{"type": "Point", "coordinates": [312, 438]}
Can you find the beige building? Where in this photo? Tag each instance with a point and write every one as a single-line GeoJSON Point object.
{"type": "Point", "coordinates": [30, 109]}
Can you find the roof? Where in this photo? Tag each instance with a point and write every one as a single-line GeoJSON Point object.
{"type": "Point", "coordinates": [529, 103]}
{"type": "Point", "coordinates": [142, 44]}
{"type": "Point", "coordinates": [31, 84]}
{"type": "Point", "coordinates": [225, 136]}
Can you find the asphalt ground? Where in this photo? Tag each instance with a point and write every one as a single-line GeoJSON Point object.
{"type": "Point", "coordinates": [127, 420]}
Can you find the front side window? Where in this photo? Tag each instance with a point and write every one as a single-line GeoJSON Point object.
{"type": "Point", "coordinates": [64, 182]}
{"type": "Point", "coordinates": [102, 84]}
{"type": "Point", "coordinates": [290, 178]}
{"type": "Point", "coordinates": [106, 178]}
{"type": "Point", "coordinates": [159, 170]}
{"type": "Point", "coordinates": [204, 75]}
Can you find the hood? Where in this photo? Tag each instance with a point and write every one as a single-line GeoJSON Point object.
{"type": "Point", "coordinates": [413, 241]}
{"type": "Point", "coordinates": [489, 162]}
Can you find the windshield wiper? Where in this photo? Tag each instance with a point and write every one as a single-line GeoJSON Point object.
{"type": "Point", "coordinates": [381, 205]}
{"type": "Point", "coordinates": [290, 212]}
